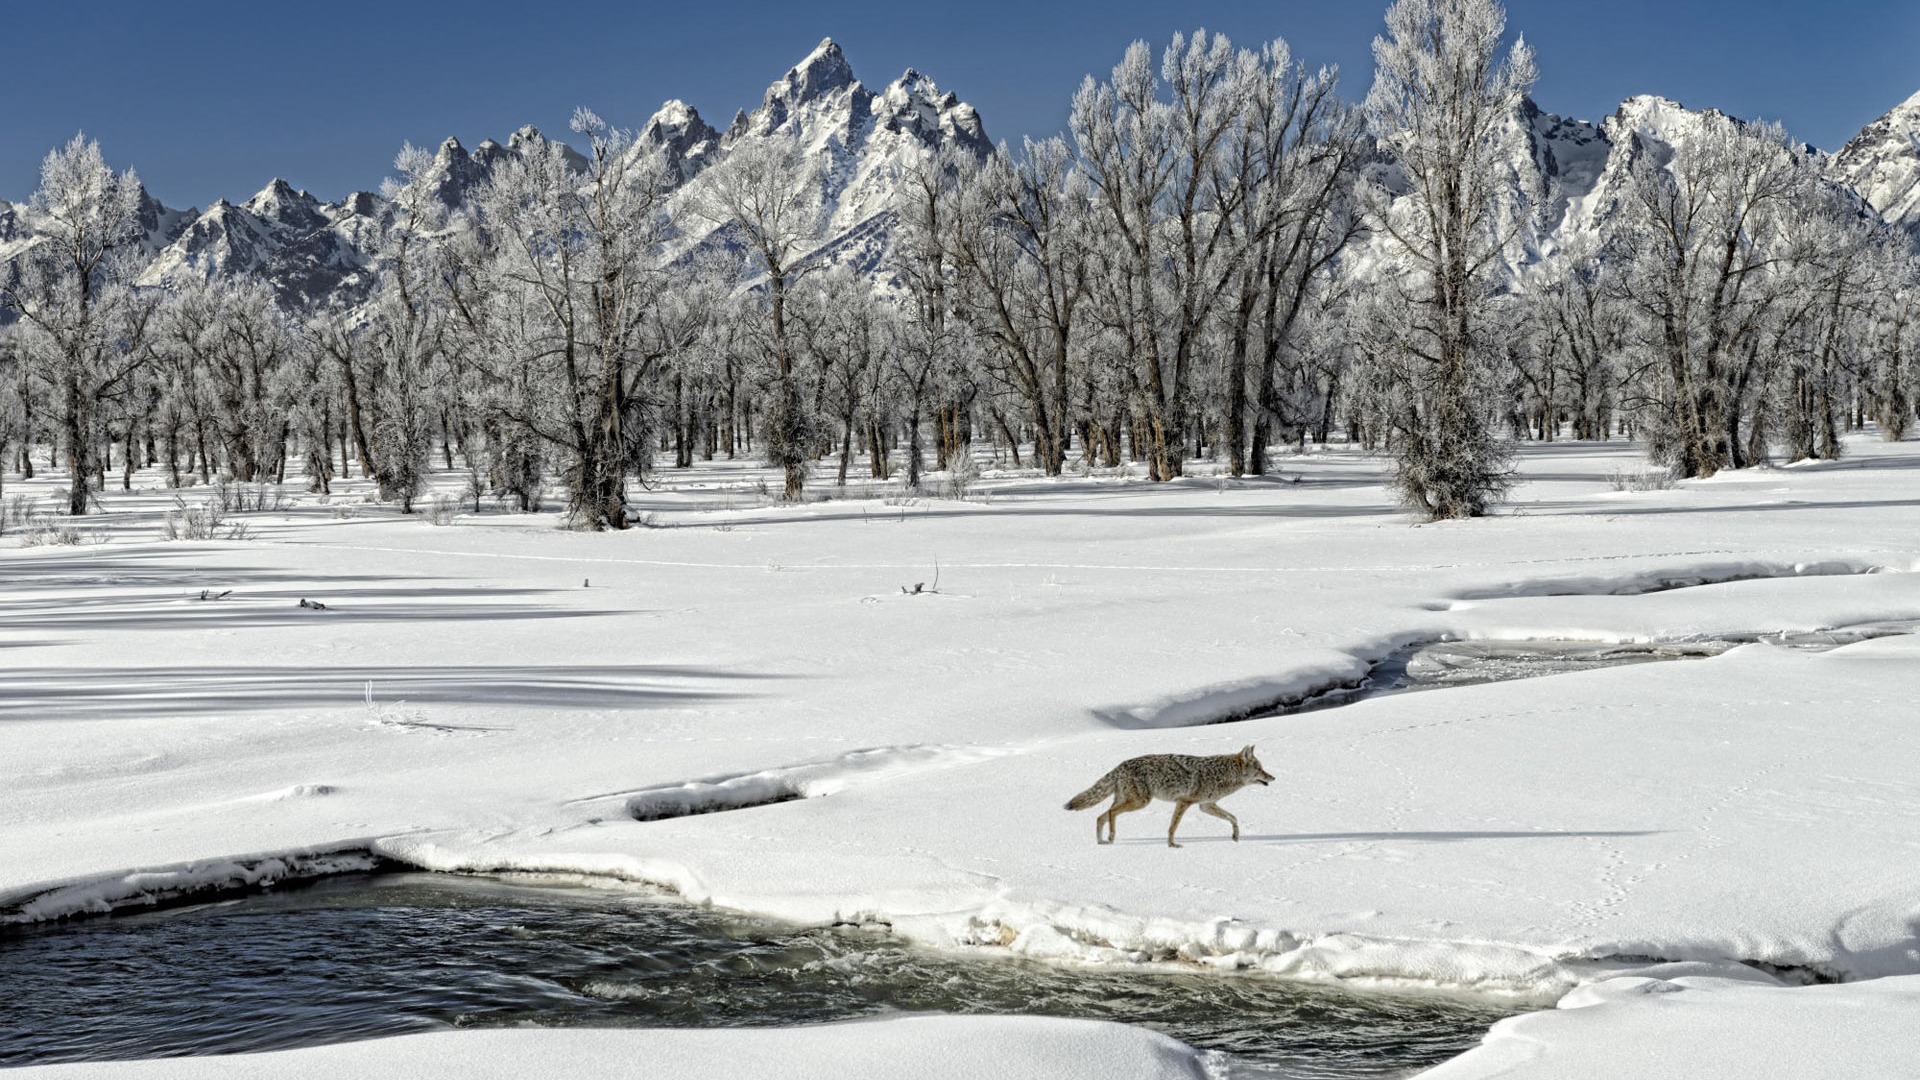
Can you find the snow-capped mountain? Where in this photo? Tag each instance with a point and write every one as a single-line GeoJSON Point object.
{"type": "Point", "coordinates": [1882, 163]}
{"type": "Point", "coordinates": [688, 143]}
{"type": "Point", "coordinates": [312, 252]}
{"type": "Point", "coordinates": [305, 249]}
{"type": "Point", "coordinates": [1569, 155]}
{"type": "Point", "coordinates": [455, 172]}
{"type": "Point", "coordinates": [1594, 183]}
{"type": "Point", "coordinates": [857, 145]}
{"type": "Point", "coordinates": [1645, 124]}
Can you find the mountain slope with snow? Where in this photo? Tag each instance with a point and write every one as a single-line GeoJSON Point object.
{"type": "Point", "coordinates": [1882, 163]}
{"type": "Point", "coordinates": [307, 250]}
{"type": "Point", "coordinates": [856, 148]}
{"type": "Point", "coordinates": [856, 145]}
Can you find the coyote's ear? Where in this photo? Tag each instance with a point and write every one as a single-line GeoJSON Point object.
{"type": "Point", "coordinates": [1247, 752]}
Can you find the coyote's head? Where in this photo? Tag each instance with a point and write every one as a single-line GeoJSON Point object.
{"type": "Point", "coordinates": [1250, 770]}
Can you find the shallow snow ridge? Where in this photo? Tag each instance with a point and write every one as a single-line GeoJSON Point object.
{"type": "Point", "coordinates": [805, 781]}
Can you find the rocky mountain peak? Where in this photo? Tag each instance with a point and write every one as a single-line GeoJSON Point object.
{"type": "Point", "coordinates": [490, 153]}
{"type": "Point", "coordinates": [678, 132]}
{"type": "Point", "coordinates": [824, 71]}
{"type": "Point", "coordinates": [821, 83]}
{"type": "Point", "coordinates": [525, 141]}
{"type": "Point", "coordinates": [281, 204]}
{"type": "Point", "coordinates": [915, 105]}
{"type": "Point", "coordinates": [360, 204]}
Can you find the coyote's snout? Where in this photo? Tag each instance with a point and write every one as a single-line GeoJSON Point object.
{"type": "Point", "coordinates": [1183, 779]}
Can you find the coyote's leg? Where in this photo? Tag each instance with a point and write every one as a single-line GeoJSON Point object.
{"type": "Point", "coordinates": [1122, 802]}
{"type": "Point", "coordinates": [1179, 808]}
{"type": "Point", "coordinates": [1214, 809]}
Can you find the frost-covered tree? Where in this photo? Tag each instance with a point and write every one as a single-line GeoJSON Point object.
{"type": "Point", "coordinates": [85, 329]}
{"type": "Point", "coordinates": [1702, 248]}
{"type": "Point", "coordinates": [760, 195]}
{"type": "Point", "coordinates": [1158, 167]}
{"type": "Point", "coordinates": [1019, 229]}
{"type": "Point", "coordinates": [1574, 333]}
{"type": "Point", "coordinates": [689, 326]}
{"type": "Point", "coordinates": [1442, 105]}
{"type": "Point", "coordinates": [1295, 152]}
{"type": "Point", "coordinates": [573, 259]}
{"type": "Point", "coordinates": [846, 333]}
{"type": "Point", "coordinates": [1895, 343]}
{"type": "Point", "coordinates": [310, 390]}
{"type": "Point", "coordinates": [927, 260]}
{"type": "Point", "coordinates": [1837, 277]}
{"type": "Point", "coordinates": [401, 336]}
{"type": "Point", "coordinates": [14, 429]}
{"type": "Point", "coordinates": [336, 333]}
{"type": "Point", "coordinates": [223, 346]}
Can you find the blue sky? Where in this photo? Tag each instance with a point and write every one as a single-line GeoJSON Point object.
{"type": "Point", "coordinates": [210, 100]}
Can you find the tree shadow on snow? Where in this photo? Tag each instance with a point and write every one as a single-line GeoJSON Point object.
{"type": "Point", "coordinates": [287, 611]}
{"type": "Point", "coordinates": [152, 567]}
{"type": "Point", "coordinates": [944, 509]}
{"type": "Point", "coordinates": [1410, 837]}
{"type": "Point", "coordinates": [137, 590]}
{"type": "Point", "coordinates": [108, 693]}
{"type": "Point", "coordinates": [1549, 506]}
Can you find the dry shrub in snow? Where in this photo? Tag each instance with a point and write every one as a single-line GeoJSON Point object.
{"type": "Point", "coordinates": [962, 473]}
{"type": "Point", "coordinates": [206, 521]}
{"type": "Point", "coordinates": [45, 530]}
{"type": "Point", "coordinates": [1644, 478]}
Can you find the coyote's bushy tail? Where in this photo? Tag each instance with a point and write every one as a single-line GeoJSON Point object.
{"type": "Point", "coordinates": [1101, 788]}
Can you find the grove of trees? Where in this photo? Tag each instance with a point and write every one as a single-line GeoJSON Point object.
{"type": "Point", "coordinates": [1221, 257]}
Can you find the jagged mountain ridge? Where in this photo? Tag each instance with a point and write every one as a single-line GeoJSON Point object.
{"type": "Point", "coordinates": [1644, 124]}
{"type": "Point", "coordinates": [857, 144]}
{"type": "Point", "coordinates": [304, 248]}
{"type": "Point", "coordinates": [1663, 129]}
{"type": "Point", "coordinates": [856, 141]}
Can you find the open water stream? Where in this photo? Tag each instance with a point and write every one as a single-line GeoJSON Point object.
{"type": "Point", "coordinates": [385, 954]}
{"type": "Point", "coordinates": [1439, 665]}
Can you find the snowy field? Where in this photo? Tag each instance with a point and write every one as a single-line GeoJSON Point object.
{"type": "Point", "coordinates": [497, 694]}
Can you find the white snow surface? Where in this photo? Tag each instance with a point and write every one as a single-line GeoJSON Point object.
{"type": "Point", "coordinates": [502, 695]}
{"type": "Point", "coordinates": [1705, 1027]}
{"type": "Point", "coordinates": [924, 1047]}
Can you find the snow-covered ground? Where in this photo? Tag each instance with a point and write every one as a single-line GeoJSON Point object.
{"type": "Point", "coordinates": [929, 1048]}
{"type": "Point", "coordinates": [498, 694]}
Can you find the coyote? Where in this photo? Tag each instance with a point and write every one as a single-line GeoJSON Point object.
{"type": "Point", "coordinates": [1182, 779]}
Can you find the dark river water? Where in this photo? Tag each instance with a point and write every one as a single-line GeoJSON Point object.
{"type": "Point", "coordinates": [365, 956]}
